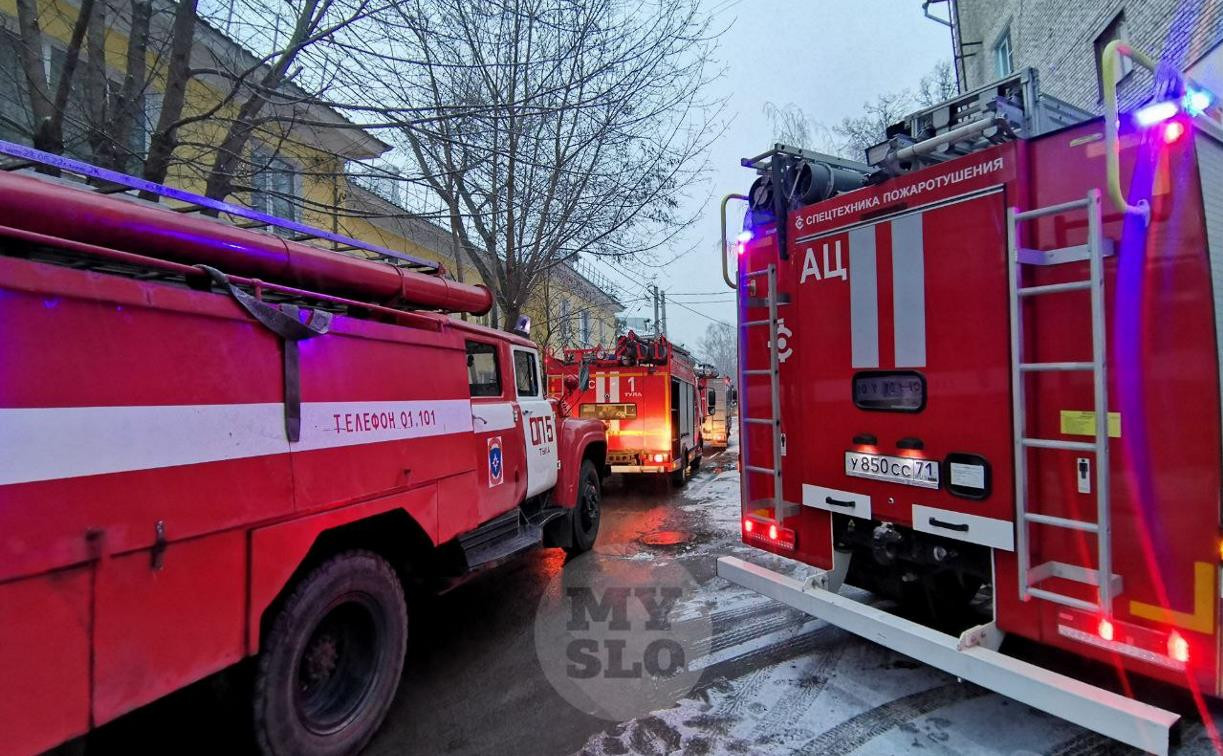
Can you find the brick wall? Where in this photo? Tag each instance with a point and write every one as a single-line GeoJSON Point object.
{"type": "Point", "coordinates": [1057, 38]}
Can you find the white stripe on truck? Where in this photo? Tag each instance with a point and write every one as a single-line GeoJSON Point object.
{"type": "Point", "coordinates": [863, 298]}
{"type": "Point", "coordinates": [69, 442]}
{"type": "Point", "coordinates": [909, 291]}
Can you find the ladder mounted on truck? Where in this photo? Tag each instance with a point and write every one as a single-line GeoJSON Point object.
{"type": "Point", "coordinates": [1093, 251]}
{"type": "Point", "coordinates": [747, 372]}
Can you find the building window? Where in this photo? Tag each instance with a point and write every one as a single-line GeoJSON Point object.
{"type": "Point", "coordinates": [1004, 56]}
{"type": "Point", "coordinates": [585, 328]}
{"type": "Point", "coordinates": [274, 187]}
{"type": "Point", "coordinates": [565, 330]}
{"type": "Point", "coordinates": [1114, 30]}
{"type": "Point", "coordinates": [15, 123]}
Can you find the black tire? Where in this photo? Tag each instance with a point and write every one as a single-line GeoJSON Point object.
{"type": "Point", "coordinates": [331, 663]}
{"type": "Point", "coordinates": [587, 511]}
{"type": "Point", "coordinates": [680, 476]}
{"type": "Point", "coordinates": [696, 463]}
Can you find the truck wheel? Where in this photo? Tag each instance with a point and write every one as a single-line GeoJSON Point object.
{"type": "Point", "coordinates": [331, 663]}
{"type": "Point", "coordinates": [680, 476]}
{"type": "Point", "coordinates": [586, 512]}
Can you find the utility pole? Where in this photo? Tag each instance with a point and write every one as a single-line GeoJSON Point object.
{"type": "Point", "coordinates": [663, 297]}
{"type": "Point", "coordinates": [654, 292]}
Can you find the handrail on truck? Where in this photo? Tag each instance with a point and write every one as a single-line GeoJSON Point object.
{"type": "Point", "coordinates": [1109, 60]}
{"type": "Point", "coordinates": [725, 268]}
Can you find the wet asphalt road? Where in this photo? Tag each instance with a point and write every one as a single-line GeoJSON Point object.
{"type": "Point", "coordinates": [776, 681]}
{"type": "Point", "coordinates": [472, 681]}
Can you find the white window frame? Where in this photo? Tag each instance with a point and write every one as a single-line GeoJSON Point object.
{"type": "Point", "coordinates": [1004, 44]}
{"type": "Point", "coordinates": [1125, 66]}
{"type": "Point", "coordinates": [263, 158]}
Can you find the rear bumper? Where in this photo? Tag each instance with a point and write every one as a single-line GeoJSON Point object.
{"type": "Point", "coordinates": [1124, 719]}
{"type": "Point", "coordinates": [645, 468]}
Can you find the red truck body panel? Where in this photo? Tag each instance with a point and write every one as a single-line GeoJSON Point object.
{"type": "Point", "coordinates": [911, 276]}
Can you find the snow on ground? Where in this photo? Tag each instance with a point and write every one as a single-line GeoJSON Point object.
{"type": "Point", "coordinates": [779, 682]}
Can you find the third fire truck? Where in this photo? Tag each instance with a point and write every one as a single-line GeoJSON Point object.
{"type": "Point", "coordinates": [717, 398]}
{"type": "Point", "coordinates": [990, 358]}
{"type": "Point", "coordinates": [645, 392]}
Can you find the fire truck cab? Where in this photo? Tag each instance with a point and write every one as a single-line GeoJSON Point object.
{"type": "Point", "coordinates": [219, 444]}
{"type": "Point", "coordinates": [645, 392]}
{"type": "Point", "coordinates": [989, 358]}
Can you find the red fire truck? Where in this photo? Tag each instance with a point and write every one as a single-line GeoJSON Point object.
{"type": "Point", "coordinates": [989, 358]}
{"type": "Point", "coordinates": [217, 443]}
{"type": "Point", "coordinates": [717, 395]}
{"type": "Point", "coordinates": [645, 392]}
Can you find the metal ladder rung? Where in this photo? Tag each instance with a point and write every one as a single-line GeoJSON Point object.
{"type": "Point", "coordinates": [760, 420]}
{"type": "Point", "coordinates": [1041, 212]}
{"type": "Point", "coordinates": [1064, 600]}
{"type": "Point", "coordinates": [1053, 443]}
{"type": "Point", "coordinates": [1042, 367]}
{"type": "Point", "coordinates": [1062, 522]}
{"type": "Point", "coordinates": [768, 470]}
{"type": "Point", "coordinates": [750, 323]}
{"type": "Point", "coordinates": [1028, 291]}
{"type": "Point", "coordinates": [757, 372]}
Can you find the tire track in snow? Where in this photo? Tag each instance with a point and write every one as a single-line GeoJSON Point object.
{"type": "Point", "coordinates": [862, 728]}
{"type": "Point", "coordinates": [780, 721]}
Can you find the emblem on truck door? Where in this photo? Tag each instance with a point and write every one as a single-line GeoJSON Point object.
{"type": "Point", "coordinates": [496, 464]}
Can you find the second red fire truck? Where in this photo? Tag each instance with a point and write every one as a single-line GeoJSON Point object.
{"type": "Point", "coordinates": [990, 359]}
{"type": "Point", "coordinates": [645, 392]}
{"type": "Point", "coordinates": [220, 445]}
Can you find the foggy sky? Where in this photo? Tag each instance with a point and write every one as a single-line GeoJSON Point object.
{"type": "Point", "coordinates": [826, 56]}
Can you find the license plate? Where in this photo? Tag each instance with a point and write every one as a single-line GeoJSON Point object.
{"type": "Point", "coordinates": [907, 470]}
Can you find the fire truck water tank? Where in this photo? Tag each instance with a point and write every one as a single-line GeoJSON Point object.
{"type": "Point", "coordinates": [53, 209]}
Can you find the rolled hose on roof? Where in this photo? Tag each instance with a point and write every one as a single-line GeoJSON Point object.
{"type": "Point", "coordinates": [60, 210]}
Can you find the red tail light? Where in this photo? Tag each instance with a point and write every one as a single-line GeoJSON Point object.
{"type": "Point", "coordinates": [1106, 629]}
{"type": "Point", "coordinates": [765, 532]}
{"type": "Point", "coordinates": [1178, 647]}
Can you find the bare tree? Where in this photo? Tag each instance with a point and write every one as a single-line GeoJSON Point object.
{"type": "Point", "coordinates": [855, 134]}
{"type": "Point", "coordinates": [720, 348]}
{"type": "Point", "coordinates": [937, 85]}
{"type": "Point", "coordinates": [49, 94]}
{"type": "Point", "coordinates": [851, 136]}
{"type": "Point", "coordinates": [555, 127]}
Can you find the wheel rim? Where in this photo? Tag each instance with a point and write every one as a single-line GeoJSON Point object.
{"type": "Point", "coordinates": [589, 511]}
{"type": "Point", "coordinates": [338, 666]}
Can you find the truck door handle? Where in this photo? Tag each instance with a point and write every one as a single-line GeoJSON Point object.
{"type": "Point", "coordinates": [838, 502]}
{"type": "Point", "coordinates": [960, 526]}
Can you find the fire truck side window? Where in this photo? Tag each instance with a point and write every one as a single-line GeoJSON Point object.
{"type": "Point", "coordinates": [525, 373]}
{"type": "Point", "coordinates": [713, 401]}
{"type": "Point", "coordinates": [483, 374]}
